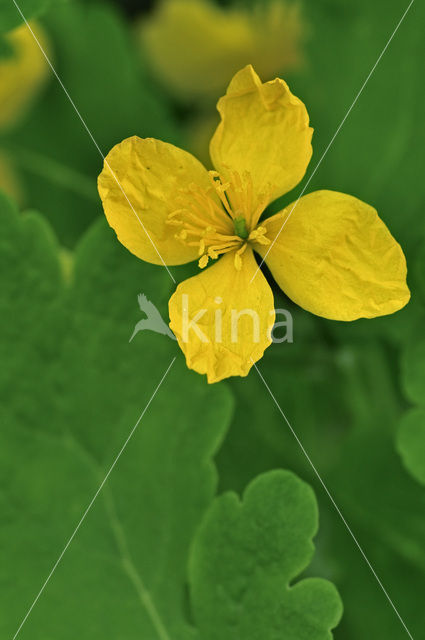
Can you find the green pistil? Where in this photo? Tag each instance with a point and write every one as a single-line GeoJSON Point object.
{"type": "Point", "coordinates": [240, 227]}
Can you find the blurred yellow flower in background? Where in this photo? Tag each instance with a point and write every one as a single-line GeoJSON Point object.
{"type": "Point", "coordinates": [332, 255]}
{"type": "Point", "coordinates": [23, 72]}
{"type": "Point", "coordinates": [195, 46]}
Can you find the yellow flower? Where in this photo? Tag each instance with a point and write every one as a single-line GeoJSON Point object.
{"type": "Point", "coordinates": [331, 254]}
{"type": "Point", "coordinates": [195, 46]}
{"type": "Point", "coordinates": [23, 71]}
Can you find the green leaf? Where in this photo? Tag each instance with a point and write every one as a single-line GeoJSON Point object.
{"type": "Point", "coordinates": [10, 16]}
{"type": "Point", "coordinates": [411, 443]}
{"type": "Point", "coordinates": [344, 403]}
{"type": "Point", "coordinates": [245, 558]}
{"type": "Point", "coordinates": [30, 281]}
{"type": "Point", "coordinates": [126, 573]}
{"type": "Point", "coordinates": [78, 388]}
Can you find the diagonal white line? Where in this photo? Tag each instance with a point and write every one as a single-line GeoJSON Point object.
{"type": "Point", "coordinates": [334, 503]}
{"type": "Point", "coordinates": [83, 122]}
{"type": "Point", "coordinates": [333, 137]}
{"type": "Point", "coordinates": [93, 500]}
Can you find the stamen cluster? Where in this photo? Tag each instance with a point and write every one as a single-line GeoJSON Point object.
{"type": "Point", "coordinates": [218, 227]}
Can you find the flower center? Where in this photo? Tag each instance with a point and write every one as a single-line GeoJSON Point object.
{"type": "Point", "coordinates": [216, 220]}
{"type": "Point", "coordinates": [240, 227]}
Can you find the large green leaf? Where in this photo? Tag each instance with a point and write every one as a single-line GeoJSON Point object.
{"type": "Point", "coordinates": [31, 281]}
{"type": "Point", "coordinates": [245, 558]}
{"type": "Point", "coordinates": [71, 407]}
{"type": "Point", "coordinates": [126, 572]}
{"type": "Point", "coordinates": [80, 387]}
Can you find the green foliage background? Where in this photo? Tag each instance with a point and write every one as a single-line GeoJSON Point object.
{"type": "Point", "coordinates": [204, 529]}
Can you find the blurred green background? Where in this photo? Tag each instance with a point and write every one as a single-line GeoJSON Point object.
{"type": "Point", "coordinates": [166, 552]}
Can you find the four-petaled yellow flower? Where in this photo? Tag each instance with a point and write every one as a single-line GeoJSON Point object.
{"type": "Point", "coordinates": [331, 254]}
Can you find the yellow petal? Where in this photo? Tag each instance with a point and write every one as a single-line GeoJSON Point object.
{"type": "Point", "coordinates": [264, 130]}
{"type": "Point", "coordinates": [336, 258]}
{"type": "Point", "coordinates": [142, 182]}
{"type": "Point", "coordinates": [23, 72]}
{"type": "Point", "coordinates": [231, 319]}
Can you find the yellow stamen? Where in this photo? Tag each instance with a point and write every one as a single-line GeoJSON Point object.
{"type": "Point", "coordinates": [258, 235]}
{"type": "Point", "coordinates": [238, 254]}
{"type": "Point", "coordinates": [210, 217]}
{"type": "Point", "coordinates": [203, 262]}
